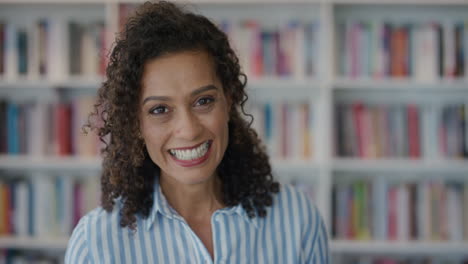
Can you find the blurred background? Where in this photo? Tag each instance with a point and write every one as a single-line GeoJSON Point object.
{"type": "Point", "coordinates": [362, 104]}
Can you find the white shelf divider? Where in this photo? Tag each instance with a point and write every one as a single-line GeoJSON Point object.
{"type": "Point", "coordinates": [406, 165]}
{"type": "Point", "coordinates": [22, 162]}
{"type": "Point", "coordinates": [46, 243]}
{"type": "Point", "coordinates": [399, 248]}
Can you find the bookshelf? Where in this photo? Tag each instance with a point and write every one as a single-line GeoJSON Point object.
{"type": "Point", "coordinates": [322, 84]}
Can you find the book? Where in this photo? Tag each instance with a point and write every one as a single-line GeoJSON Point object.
{"type": "Point", "coordinates": [2, 47]}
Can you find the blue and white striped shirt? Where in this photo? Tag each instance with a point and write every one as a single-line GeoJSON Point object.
{"type": "Point", "coordinates": [292, 232]}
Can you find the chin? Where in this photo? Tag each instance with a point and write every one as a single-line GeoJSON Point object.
{"type": "Point", "coordinates": [190, 178]}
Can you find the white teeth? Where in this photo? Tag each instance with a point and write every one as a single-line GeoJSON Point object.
{"type": "Point", "coordinates": [191, 154]}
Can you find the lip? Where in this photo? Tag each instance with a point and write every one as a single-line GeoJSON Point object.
{"type": "Point", "coordinates": [195, 162]}
{"type": "Point", "coordinates": [184, 148]}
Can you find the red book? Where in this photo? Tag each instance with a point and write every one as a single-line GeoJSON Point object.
{"type": "Point", "coordinates": [3, 209]}
{"type": "Point", "coordinates": [77, 203]}
{"type": "Point", "coordinates": [63, 126]}
{"type": "Point", "coordinates": [413, 132]}
{"type": "Point", "coordinates": [392, 212]}
{"type": "Point", "coordinates": [256, 57]}
{"type": "Point", "coordinates": [9, 209]}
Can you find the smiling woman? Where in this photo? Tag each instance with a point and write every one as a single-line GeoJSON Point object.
{"type": "Point", "coordinates": [184, 117]}
{"type": "Point", "coordinates": [185, 178]}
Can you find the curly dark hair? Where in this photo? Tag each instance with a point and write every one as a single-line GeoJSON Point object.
{"type": "Point", "coordinates": [128, 172]}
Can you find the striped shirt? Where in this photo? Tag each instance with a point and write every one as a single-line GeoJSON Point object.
{"type": "Point", "coordinates": [292, 232]}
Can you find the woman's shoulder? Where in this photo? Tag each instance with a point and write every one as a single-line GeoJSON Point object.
{"type": "Point", "coordinates": [88, 229]}
{"type": "Point", "coordinates": [99, 215]}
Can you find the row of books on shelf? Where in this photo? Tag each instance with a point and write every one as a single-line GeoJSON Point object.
{"type": "Point", "coordinates": [26, 257]}
{"type": "Point", "coordinates": [384, 210]}
{"type": "Point", "coordinates": [51, 49]}
{"type": "Point", "coordinates": [43, 128]}
{"type": "Point", "coordinates": [402, 260]}
{"type": "Point", "coordinates": [45, 206]}
{"type": "Point", "coordinates": [401, 130]}
{"type": "Point", "coordinates": [286, 50]}
{"type": "Point", "coordinates": [289, 50]}
{"type": "Point", "coordinates": [287, 128]}
{"type": "Point", "coordinates": [423, 51]}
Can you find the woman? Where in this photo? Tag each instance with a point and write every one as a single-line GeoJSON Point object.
{"type": "Point", "coordinates": [185, 179]}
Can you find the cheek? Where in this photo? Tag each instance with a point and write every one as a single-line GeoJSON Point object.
{"type": "Point", "coordinates": [220, 125]}
{"type": "Point", "coordinates": [155, 136]}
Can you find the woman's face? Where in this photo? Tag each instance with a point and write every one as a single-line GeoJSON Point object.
{"type": "Point", "coordinates": [184, 116]}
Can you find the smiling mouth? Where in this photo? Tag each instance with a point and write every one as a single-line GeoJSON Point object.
{"type": "Point", "coordinates": [191, 153]}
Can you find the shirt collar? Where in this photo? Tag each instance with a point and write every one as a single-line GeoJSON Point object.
{"type": "Point", "coordinates": [238, 209]}
{"type": "Point", "coordinates": [162, 207]}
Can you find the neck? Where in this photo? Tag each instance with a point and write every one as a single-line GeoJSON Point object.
{"type": "Point", "coordinates": [193, 201]}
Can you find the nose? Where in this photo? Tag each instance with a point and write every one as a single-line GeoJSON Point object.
{"type": "Point", "coordinates": [188, 126]}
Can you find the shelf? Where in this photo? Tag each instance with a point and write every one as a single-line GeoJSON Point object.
{"type": "Point", "coordinates": [401, 165]}
{"type": "Point", "coordinates": [22, 162]}
{"type": "Point", "coordinates": [71, 83]}
{"type": "Point", "coordinates": [282, 83]}
{"type": "Point", "coordinates": [402, 85]}
{"type": "Point", "coordinates": [401, 248]}
{"type": "Point", "coordinates": [336, 246]}
{"type": "Point", "coordinates": [272, 89]}
{"type": "Point", "coordinates": [295, 165]}
{"type": "Point", "coordinates": [59, 243]}
{"type": "Point", "coordinates": [401, 2]}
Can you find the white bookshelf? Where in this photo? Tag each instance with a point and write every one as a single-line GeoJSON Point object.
{"type": "Point", "coordinates": [399, 248]}
{"type": "Point", "coordinates": [337, 246]}
{"type": "Point", "coordinates": [29, 243]}
{"type": "Point", "coordinates": [72, 83]}
{"type": "Point", "coordinates": [322, 91]}
{"type": "Point", "coordinates": [31, 163]}
{"type": "Point", "coordinates": [400, 165]}
{"type": "Point", "coordinates": [403, 85]}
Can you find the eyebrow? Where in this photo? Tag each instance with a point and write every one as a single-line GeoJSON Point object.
{"type": "Point", "coordinates": [193, 93]}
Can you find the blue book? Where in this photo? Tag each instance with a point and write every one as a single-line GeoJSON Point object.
{"type": "Point", "coordinates": [12, 129]}
{"type": "Point", "coordinates": [22, 46]}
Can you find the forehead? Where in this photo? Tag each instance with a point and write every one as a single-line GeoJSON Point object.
{"type": "Point", "coordinates": [178, 72]}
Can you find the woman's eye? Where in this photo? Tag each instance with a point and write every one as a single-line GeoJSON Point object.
{"type": "Point", "coordinates": [204, 101]}
{"type": "Point", "coordinates": [159, 110]}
